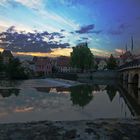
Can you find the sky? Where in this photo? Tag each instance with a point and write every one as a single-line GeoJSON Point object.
{"type": "Point", "coordinates": [107, 25]}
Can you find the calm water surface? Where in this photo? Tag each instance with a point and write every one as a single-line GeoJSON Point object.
{"type": "Point", "coordinates": [32, 100]}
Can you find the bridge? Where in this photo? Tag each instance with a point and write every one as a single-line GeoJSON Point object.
{"type": "Point", "coordinates": [130, 72]}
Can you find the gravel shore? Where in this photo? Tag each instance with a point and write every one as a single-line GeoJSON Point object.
{"type": "Point", "coordinates": [101, 129]}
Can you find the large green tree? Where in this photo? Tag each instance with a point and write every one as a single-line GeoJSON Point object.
{"type": "Point", "coordinates": [1, 63]}
{"type": "Point", "coordinates": [81, 57]}
{"type": "Point", "coordinates": [111, 63]}
{"type": "Point", "coordinates": [15, 70]}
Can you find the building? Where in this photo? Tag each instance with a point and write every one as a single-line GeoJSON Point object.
{"type": "Point", "coordinates": [63, 64]}
{"type": "Point", "coordinates": [6, 56]}
{"type": "Point", "coordinates": [43, 65]}
{"type": "Point", "coordinates": [102, 65]}
{"type": "Point", "coordinates": [29, 66]}
{"type": "Point", "coordinates": [126, 57]}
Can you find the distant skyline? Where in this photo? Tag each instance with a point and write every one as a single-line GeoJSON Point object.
{"type": "Point", "coordinates": [107, 26]}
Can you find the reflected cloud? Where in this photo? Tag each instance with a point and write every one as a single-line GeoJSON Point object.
{"type": "Point", "coordinates": [27, 109]}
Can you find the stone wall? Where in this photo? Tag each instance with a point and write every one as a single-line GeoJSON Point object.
{"type": "Point", "coordinates": [108, 74]}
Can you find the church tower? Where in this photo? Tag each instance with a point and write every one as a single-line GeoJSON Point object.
{"type": "Point", "coordinates": [126, 48]}
{"type": "Point", "coordinates": [132, 44]}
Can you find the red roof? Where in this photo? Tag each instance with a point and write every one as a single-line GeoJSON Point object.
{"type": "Point", "coordinates": [63, 61]}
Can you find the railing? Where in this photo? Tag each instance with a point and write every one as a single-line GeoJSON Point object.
{"type": "Point", "coordinates": [135, 64]}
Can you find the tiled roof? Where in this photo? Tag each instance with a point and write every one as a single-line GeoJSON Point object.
{"type": "Point", "coordinates": [63, 61]}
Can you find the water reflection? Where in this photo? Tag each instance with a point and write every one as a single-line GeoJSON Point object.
{"type": "Point", "coordinates": [56, 90]}
{"type": "Point", "coordinates": [81, 95]}
{"type": "Point", "coordinates": [111, 91]}
{"type": "Point", "coordinates": [33, 100]}
{"type": "Point", "coordinates": [9, 92]}
{"type": "Point", "coordinates": [10, 83]}
{"type": "Point", "coordinates": [132, 95]}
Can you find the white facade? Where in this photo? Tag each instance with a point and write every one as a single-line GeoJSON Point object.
{"type": "Point", "coordinates": [102, 65]}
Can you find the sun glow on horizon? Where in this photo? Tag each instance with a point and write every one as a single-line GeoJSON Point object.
{"type": "Point", "coordinates": [60, 52]}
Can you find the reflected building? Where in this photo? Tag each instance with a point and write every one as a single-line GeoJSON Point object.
{"type": "Point", "coordinates": [132, 96]}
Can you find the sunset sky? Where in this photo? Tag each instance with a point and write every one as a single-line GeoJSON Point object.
{"type": "Point", "coordinates": [107, 25]}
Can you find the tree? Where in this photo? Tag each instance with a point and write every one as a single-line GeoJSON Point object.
{"type": "Point", "coordinates": [111, 91]}
{"type": "Point", "coordinates": [1, 63]}
{"type": "Point", "coordinates": [81, 95]}
{"type": "Point", "coordinates": [111, 63]}
{"type": "Point", "coordinates": [81, 57]}
{"type": "Point", "coordinates": [15, 70]}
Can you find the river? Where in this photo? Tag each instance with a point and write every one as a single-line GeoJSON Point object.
{"type": "Point", "coordinates": [42, 99]}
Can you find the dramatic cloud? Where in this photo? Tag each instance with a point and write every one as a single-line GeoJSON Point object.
{"type": "Point", "coordinates": [86, 29]}
{"type": "Point", "coordinates": [31, 42]}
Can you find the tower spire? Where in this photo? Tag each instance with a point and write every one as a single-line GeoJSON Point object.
{"type": "Point", "coordinates": [132, 45]}
{"type": "Point", "coordinates": [126, 47]}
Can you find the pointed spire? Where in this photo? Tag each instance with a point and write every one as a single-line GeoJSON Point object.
{"type": "Point", "coordinates": [132, 45]}
{"type": "Point", "coordinates": [126, 47]}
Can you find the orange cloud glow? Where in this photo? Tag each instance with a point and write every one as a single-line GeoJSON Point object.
{"type": "Point", "coordinates": [53, 53]}
{"type": "Point", "coordinates": [61, 52]}
{"type": "Point", "coordinates": [1, 50]}
{"type": "Point", "coordinates": [24, 109]}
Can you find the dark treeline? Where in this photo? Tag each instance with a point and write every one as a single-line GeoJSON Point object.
{"type": "Point", "coordinates": [13, 69]}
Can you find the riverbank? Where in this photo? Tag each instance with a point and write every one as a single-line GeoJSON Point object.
{"type": "Point", "coordinates": [101, 129]}
{"type": "Point", "coordinates": [32, 83]}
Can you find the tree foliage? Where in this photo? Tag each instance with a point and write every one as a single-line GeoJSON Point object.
{"type": "Point", "coordinates": [81, 95]}
{"type": "Point", "coordinates": [111, 64]}
{"type": "Point", "coordinates": [15, 70]}
{"type": "Point", "coordinates": [81, 57]}
{"type": "Point", "coordinates": [1, 63]}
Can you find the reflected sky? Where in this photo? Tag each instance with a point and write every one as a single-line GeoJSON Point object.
{"type": "Point", "coordinates": [32, 101]}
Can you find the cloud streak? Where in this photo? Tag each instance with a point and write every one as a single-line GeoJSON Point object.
{"type": "Point", "coordinates": [86, 29]}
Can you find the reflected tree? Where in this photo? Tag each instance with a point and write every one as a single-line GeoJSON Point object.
{"type": "Point", "coordinates": [81, 95]}
{"type": "Point", "coordinates": [95, 87]}
{"type": "Point", "coordinates": [111, 91]}
{"type": "Point", "coordinates": [9, 92]}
